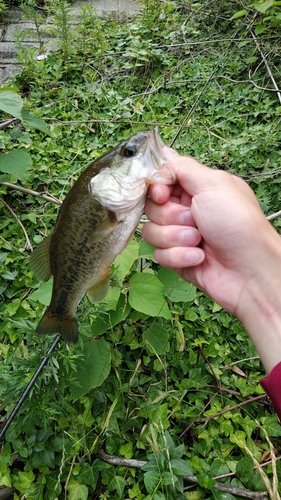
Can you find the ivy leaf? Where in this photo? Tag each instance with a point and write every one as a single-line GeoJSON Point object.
{"type": "Point", "coordinates": [156, 338]}
{"type": "Point", "coordinates": [245, 469]}
{"type": "Point", "coordinates": [77, 491]}
{"type": "Point", "coordinates": [145, 295]}
{"type": "Point", "coordinates": [15, 163]}
{"type": "Point", "coordinates": [271, 425]}
{"type": "Point", "coordinates": [118, 483]}
{"type": "Point", "coordinates": [92, 368]}
{"type": "Point", "coordinates": [11, 103]}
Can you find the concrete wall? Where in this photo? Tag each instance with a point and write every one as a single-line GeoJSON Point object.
{"type": "Point", "coordinates": [14, 22]}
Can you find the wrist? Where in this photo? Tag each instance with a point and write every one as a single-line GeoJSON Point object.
{"type": "Point", "coordinates": [260, 307]}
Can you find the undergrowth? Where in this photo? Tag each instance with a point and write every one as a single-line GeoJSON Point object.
{"type": "Point", "coordinates": [165, 376]}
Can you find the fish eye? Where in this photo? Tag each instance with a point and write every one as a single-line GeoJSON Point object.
{"type": "Point", "coordinates": [130, 151]}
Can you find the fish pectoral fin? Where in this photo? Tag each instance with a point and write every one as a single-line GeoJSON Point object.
{"type": "Point", "coordinates": [103, 229]}
{"type": "Point", "coordinates": [99, 290]}
{"type": "Point", "coordinates": [40, 260]}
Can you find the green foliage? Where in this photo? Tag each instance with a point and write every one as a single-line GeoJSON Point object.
{"type": "Point", "coordinates": [161, 373]}
{"type": "Point", "coordinates": [15, 162]}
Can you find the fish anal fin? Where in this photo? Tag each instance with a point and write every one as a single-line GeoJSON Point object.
{"type": "Point", "coordinates": [99, 290]}
{"type": "Point", "coordinates": [104, 228]}
{"type": "Point", "coordinates": [40, 260]}
{"type": "Point", "coordinates": [54, 323]}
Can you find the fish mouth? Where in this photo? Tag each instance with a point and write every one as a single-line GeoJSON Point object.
{"type": "Point", "coordinates": [161, 171]}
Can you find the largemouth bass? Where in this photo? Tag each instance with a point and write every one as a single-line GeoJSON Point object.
{"type": "Point", "coordinates": [96, 221]}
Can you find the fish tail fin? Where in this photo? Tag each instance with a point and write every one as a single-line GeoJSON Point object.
{"type": "Point", "coordinates": [66, 325]}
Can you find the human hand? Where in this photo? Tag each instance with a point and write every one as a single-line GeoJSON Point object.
{"type": "Point", "coordinates": [211, 230]}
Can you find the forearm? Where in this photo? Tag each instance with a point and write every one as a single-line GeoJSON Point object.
{"type": "Point", "coordinates": [260, 306]}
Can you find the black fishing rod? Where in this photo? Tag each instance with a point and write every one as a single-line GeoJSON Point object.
{"type": "Point", "coordinates": [28, 388]}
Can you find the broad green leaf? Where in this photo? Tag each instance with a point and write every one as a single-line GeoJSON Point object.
{"type": "Point", "coordinates": [126, 450]}
{"type": "Point", "coordinates": [146, 295]}
{"type": "Point", "coordinates": [146, 250]}
{"type": "Point", "coordinates": [87, 474]}
{"type": "Point", "coordinates": [263, 6]}
{"type": "Point", "coordinates": [271, 425]}
{"type": "Point", "coordinates": [240, 13]}
{"type": "Point", "coordinates": [77, 491]}
{"type": "Point", "coordinates": [221, 495]}
{"type": "Point", "coordinates": [205, 481]}
{"type": "Point", "coordinates": [238, 438]}
{"type": "Point", "coordinates": [11, 103]}
{"type": "Point", "coordinates": [107, 320]}
{"type": "Point", "coordinates": [151, 480]}
{"type": "Point", "coordinates": [92, 368]}
{"type": "Point", "coordinates": [5, 476]}
{"type": "Point", "coordinates": [118, 483]}
{"type": "Point", "coordinates": [24, 480]}
{"type": "Point", "coordinates": [35, 121]}
{"type": "Point", "coordinates": [175, 288]}
{"type": "Point", "coordinates": [245, 469]}
{"type": "Point", "coordinates": [156, 338]}
{"type": "Point", "coordinates": [218, 467]}
{"type": "Point", "coordinates": [43, 293]}
{"type": "Point", "coordinates": [181, 467]}
{"type": "Point", "coordinates": [126, 259]}
{"type": "Point", "coordinates": [15, 163]}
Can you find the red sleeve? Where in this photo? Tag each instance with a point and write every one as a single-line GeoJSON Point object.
{"type": "Point", "coordinates": [272, 386]}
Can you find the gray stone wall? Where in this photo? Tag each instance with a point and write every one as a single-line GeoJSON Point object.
{"type": "Point", "coordinates": [13, 22]}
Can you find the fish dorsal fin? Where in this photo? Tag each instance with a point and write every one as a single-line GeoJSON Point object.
{"type": "Point", "coordinates": [40, 260]}
{"type": "Point", "coordinates": [103, 230]}
{"type": "Point", "coordinates": [100, 290]}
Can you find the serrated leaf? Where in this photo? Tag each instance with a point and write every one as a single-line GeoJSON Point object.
{"type": "Point", "coordinates": [156, 338]}
{"type": "Point", "coordinates": [11, 103]}
{"type": "Point", "coordinates": [92, 368]}
{"type": "Point", "coordinates": [145, 295]}
{"type": "Point", "coordinates": [126, 259]}
{"type": "Point", "coordinates": [43, 293]}
{"type": "Point", "coordinates": [15, 163]}
{"type": "Point", "coordinates": [77, 491]}
{"type": "Point", "coordinates": [175, 288]}
{"type": "Point", "coordinates": [35, 121]}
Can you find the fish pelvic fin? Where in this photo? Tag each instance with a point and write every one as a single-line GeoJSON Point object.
{"type": "Point", "coordinates": [40, 260]}
{"type": "Point", "coordinates": [66, 325]}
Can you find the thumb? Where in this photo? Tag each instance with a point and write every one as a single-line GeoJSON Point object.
{"type": "Point", "coordinates": [190, 173]}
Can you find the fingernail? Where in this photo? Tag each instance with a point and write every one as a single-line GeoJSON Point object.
{"type": "Point", "coordinates": [194, 256]}
{"type": "Point", "coordinates": [185, 236]}
{"type": "Point", "coordinates": [185, 217]}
